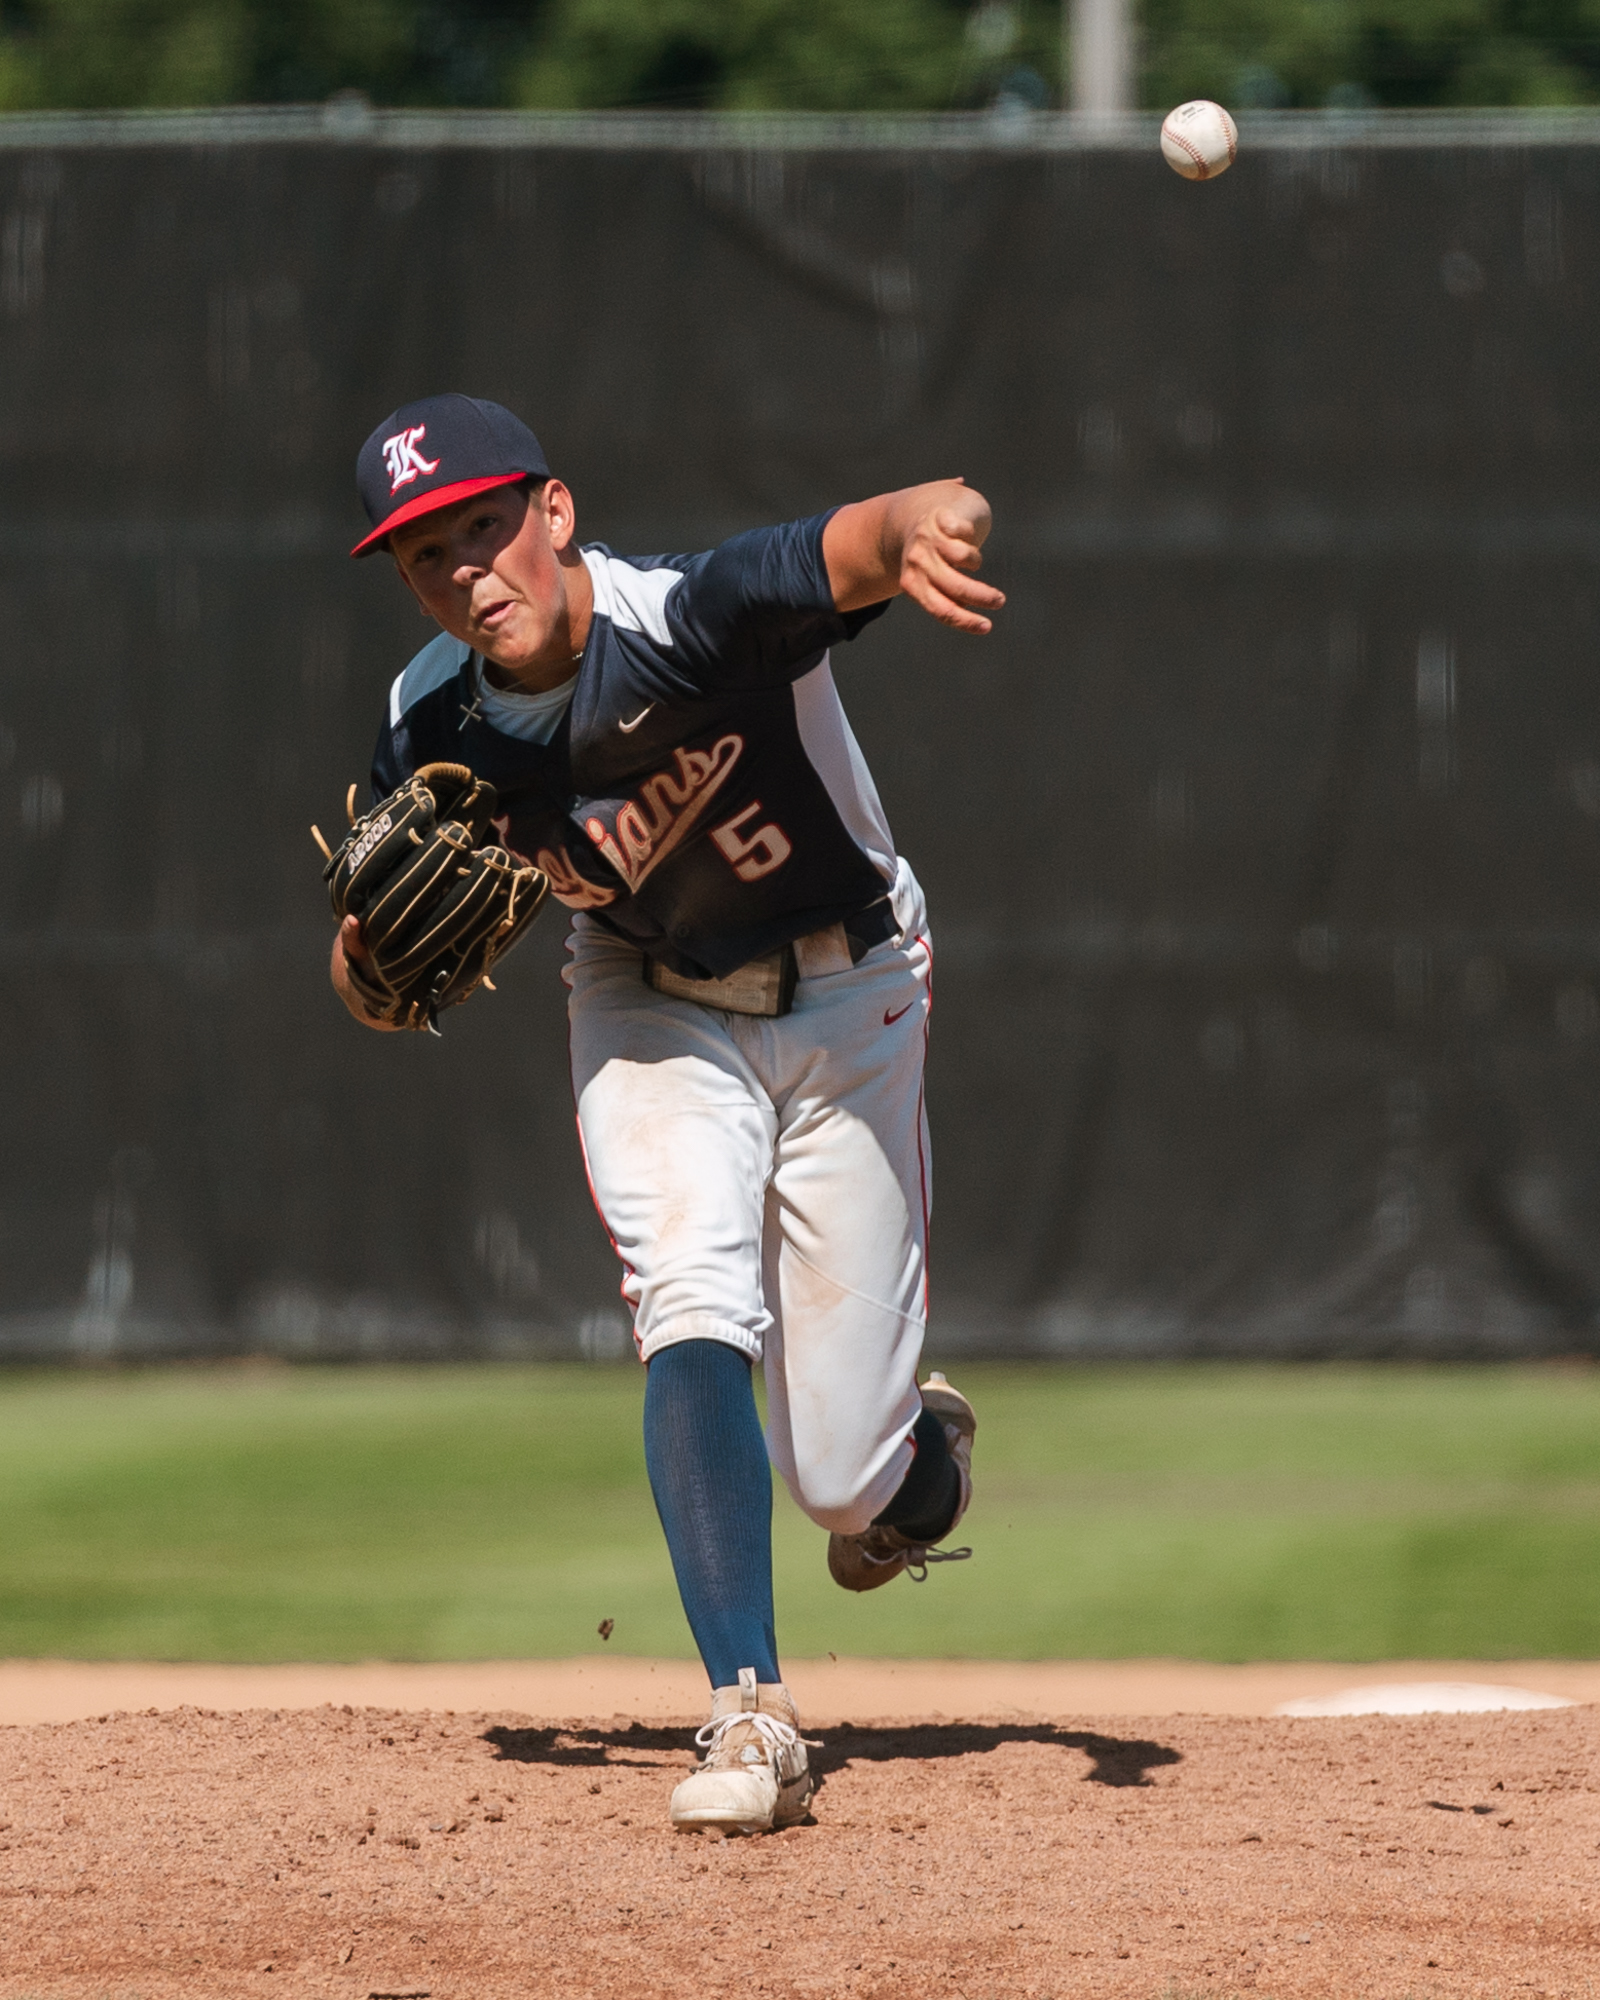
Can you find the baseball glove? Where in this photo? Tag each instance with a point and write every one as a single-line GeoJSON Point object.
{"type": "Point", "coordinates": [437, 908]}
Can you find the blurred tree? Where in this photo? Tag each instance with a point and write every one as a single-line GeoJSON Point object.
{"type": "Point", "coordinates": [174, 52]}
{"type": "Point", "coordinates": [745, 54]}
{"type": "Point", "coordinates": [787, 54]}
{"type": "Point", "coordinates": [104, 52]}
{"type": "Point", "coordinates": [772, 54]}
{"type": "Point", "coordinates": [823, 54]}
{"type": "Point", "coordinates": [1355, 52]}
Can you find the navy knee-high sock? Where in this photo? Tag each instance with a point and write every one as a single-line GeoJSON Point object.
{"type": "Point", "coordinates": [708, 1471]}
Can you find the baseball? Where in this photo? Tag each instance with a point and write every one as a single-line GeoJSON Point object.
{"type": "Point", "coordinates": [1199, 140]}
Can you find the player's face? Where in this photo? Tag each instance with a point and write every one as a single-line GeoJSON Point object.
{"type": "Point", "coordinates": [490, 571]}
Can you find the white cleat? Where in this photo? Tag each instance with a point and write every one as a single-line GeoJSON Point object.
{"type": "Point", "coordinates": [754, 1775]}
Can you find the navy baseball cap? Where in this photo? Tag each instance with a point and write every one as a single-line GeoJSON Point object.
{"type": "Point", "coordinates": [432, 453]}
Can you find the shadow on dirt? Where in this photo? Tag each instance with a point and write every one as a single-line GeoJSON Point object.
{"type": "Point", "coordinates": [625, 1743]}
{"type": "Point", "coordinates": [1113, 1760]}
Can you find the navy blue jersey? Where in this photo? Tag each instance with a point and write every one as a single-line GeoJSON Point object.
{"type": "Point", "coordinates": [703, 795]}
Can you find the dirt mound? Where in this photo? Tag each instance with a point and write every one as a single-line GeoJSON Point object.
{"type": "Point", "coordinates": [357, 1852]}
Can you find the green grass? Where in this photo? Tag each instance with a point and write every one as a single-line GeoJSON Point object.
{"type": "Point", "coordinates": [1214, 1512]}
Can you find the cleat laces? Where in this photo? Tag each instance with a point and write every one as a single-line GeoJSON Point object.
{"type": "Point", "coordinates": [777, 1734]}
{"type": "Point", "coordinates": [917, 1559]}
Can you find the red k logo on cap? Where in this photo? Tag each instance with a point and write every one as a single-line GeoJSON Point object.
{"type": "Point", "coordinates": [404, 461]}
{"type": "Point", "coordinates": [483, 443]}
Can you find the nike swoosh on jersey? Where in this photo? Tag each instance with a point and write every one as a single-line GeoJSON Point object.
{"type": "Point", "coordinates": [890, 1019]}
{"type": "Point", "coordinates": [628, 728]}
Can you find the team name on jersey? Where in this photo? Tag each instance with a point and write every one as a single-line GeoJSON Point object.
{"type": "Point", "coordinates": [646, 829]}
{"type": "Point", "coordinates": [567, 885]}
{"type": "Point", "coordinates": [650, 827]}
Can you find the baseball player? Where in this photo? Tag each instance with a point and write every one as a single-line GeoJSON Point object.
{"type": "Point", "coordinates": [749, 994]}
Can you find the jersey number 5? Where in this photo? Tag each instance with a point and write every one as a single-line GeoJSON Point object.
{"type": "Point", "coordinates": [752, 854]}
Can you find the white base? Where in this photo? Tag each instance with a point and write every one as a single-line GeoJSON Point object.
{"type": "Point", "coordinates": [1422, 1698]}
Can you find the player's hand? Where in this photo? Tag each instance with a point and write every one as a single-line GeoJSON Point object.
{"type": "Point", "coordinates": [923, 540]}
{"type": "Point", "coordinates": [941, 552]}
{"type": "Point", "coordinates": [349, 946]}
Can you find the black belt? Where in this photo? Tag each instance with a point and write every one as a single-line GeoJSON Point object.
{"type": "Point", "coordinates": [874, 925]}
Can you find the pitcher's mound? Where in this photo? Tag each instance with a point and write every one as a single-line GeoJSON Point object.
{"type": "Point", "coordinates": [359, 1852]}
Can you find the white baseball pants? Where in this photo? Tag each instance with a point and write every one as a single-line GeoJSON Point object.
{"type": "Point", "coordinates": [765, 1183]}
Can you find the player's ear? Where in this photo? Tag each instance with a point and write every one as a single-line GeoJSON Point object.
{"type": "Point", "coordinates": [561, 515]}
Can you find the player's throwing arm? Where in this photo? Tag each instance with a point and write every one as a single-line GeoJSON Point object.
{"type": "Point", "coordinates": [925, 541]}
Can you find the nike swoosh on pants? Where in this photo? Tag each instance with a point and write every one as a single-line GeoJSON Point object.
{"type": "Point", "coordinates": [890, 1019]}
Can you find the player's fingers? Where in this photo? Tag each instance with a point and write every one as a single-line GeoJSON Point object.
{"type": "Point", "coordinates": [957, 540]}
{"type": "Point", "coordinates": [946, 610]}
{"type": "Point", "coordinates": [956, 583]}
{"type": "Point", "coordinates": [934, 553]}
{"type": "Point", "coordinates": [355, 946]}
{"type": "Point", "coordinates": [972, 590]}
{"type": "Point", "coordinates": [960, 554]}
{"type": "Point", "coordinates": [960, 527]}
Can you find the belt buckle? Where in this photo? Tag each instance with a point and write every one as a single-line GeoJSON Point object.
{"type": "Point", "coordinates": [763, 987]}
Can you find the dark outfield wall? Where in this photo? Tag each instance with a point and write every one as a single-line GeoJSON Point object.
{"type": "Point", "coordinates": [1262, 841]}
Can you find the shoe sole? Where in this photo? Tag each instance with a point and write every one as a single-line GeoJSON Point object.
{"type": "Point", "coordinates": [867, 1577]}
{"type": "Point", "coordinates": [692, 1822]}
{"type": "Point", "coordinates": [701, 1822]}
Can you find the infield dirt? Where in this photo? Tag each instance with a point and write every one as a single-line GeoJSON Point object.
{"type": "Point", "coordinates": [361, 1852]}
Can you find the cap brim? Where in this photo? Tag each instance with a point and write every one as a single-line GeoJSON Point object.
{"type": "Point", "coordinates": [430, 503]}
